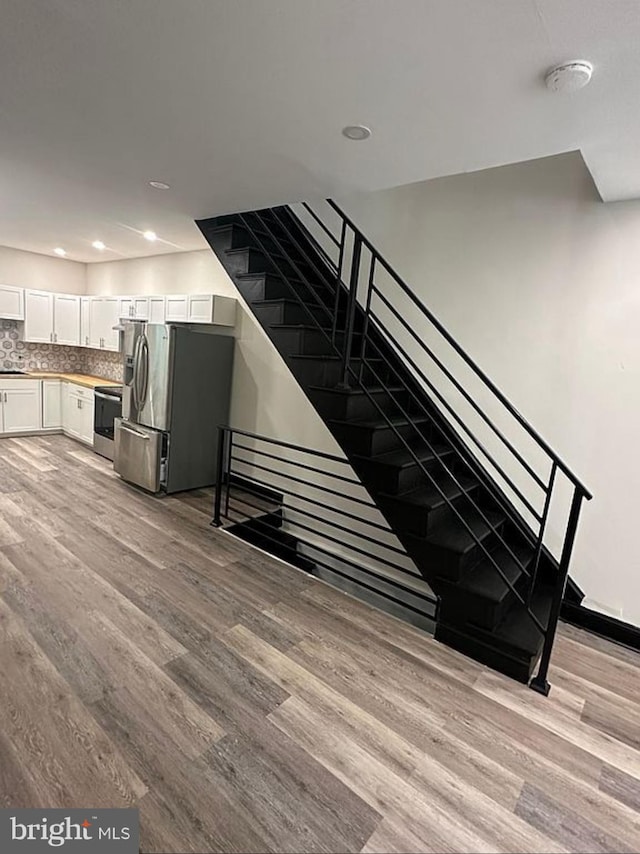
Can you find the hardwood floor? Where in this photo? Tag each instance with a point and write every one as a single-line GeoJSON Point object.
{"type": "Point", "coordinates": [148, 659]}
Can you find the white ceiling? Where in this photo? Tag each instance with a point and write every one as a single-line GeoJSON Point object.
{"type": "Point", "coordinates": [239, 104]}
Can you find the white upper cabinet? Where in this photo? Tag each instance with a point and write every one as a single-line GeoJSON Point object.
{"type": "Point", "coordinates": [157, 310]}
{"type": "Point", "coordinates": [104, 314]}
{"type": "Point", "coordinates": [141, 308]}
{"type": "Point", "coordinates": [125, 309]}
{"type": "Point", "coordinates": [110, 318]}
{"type": "Point", "coordinates": [207, 308]}
{"type": "Point", "coordinates": [177, 309]}
{"type": "Point", "coordinates": [11, 303]}
{"type": "Point", "coordinates": [38, 311]}
{"type": "Point", "coordinates": [134, 308]}
{"type": "Point", "coordinates": [66, 319]}
{"type": "Point", "coordinates": [85, 321]}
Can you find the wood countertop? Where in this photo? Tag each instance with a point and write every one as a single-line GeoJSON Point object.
{"type": "Point", "coordinates": [79, 379]}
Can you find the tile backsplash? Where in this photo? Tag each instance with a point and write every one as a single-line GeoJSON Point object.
{"type": "Point", "coordinates": [16, 354]}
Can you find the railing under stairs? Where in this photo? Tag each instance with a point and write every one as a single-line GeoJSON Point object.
{"type": "Point", "coordinates": [309, 506]}
{"type": "Point", "coordinates": [528, 479]}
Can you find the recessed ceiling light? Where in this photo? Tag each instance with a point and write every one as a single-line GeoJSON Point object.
{"type": "Point", "coordinates": [150, 235]}
{"type": "Point", "coordinates": [569, 77]}
{"type": "Point", "coordinates": [98, 244]}
{"type": "Point", "coordinates": [159, 185]}
{"type": "Point", "coordinates": [356, 132]}
{"type": "Point", "coordinates": [60, 251]}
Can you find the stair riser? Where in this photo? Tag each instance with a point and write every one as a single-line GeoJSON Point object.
{"type": "Point", "coordinates": [442, 562]}
{"type": "Point", "coordinates": [267, 287]}
{"type": "Point", "coordinates": [518, 668]}
{"type": "Point", "coordinates": [287, 313]}
{"type": "Point", "coordinates": [393, 479]}
{"type": "Point", "coordinates": [328, 374]}
{"type": "Point", "coordinates": [419, 521]}
{"type": "Point", "coordinates": [344, 407]}
{"type": "Point", "coordinates": [462, 606]}
{"type": "Point", "coordinates": [306, 342]}
{"type": "Point", "coordinates": [368, 442]}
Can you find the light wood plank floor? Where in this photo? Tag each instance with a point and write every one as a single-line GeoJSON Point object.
{"type": "Point", "coordinates": [147, 659]}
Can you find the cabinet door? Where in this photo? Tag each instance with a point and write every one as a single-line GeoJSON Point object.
{"type": "Point", "coordinates": [110, 318]}
{"type": "Point", "coordinates": [11, 303]}
{"type": "Point", "coordinates": [85, 321]}
{"type": "Point", "coordinates": [125, 310]}
{"type": "Point", "coordinates": [51, 404]}
{"type": "Point", "coordinates": [176, 309]}
{"type": "Point", "coordinates": [85, 420]}
{"type": "Point", "coordinates": [141, 308]}
{"type": "Point", "coordinates": [20, 409]}
{"type": "Point", "coordinates": [156, 310]}
{"type": "Point", "coordinates": [38, 316]}
{"type": "Point", "coordinates": [66, 319]}
{"type": "Point", "coordinates": [200, 309]}
{"type": "Point", "coordinates": [96, 312]}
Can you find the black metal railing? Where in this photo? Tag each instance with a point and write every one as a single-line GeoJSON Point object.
{"type": "Point", "coordinates": [324, 507]}
{"type": "Point", "coordinates": [357, 280]}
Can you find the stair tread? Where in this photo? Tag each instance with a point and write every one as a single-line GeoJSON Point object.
{"type": "Point", "coordinates": [370, 390]}
{"type": "Point", "coordinates": [279, 300]}
{"type": "Point", "coordinates": [485, 580]}
{"type": "Point", "coordinates": [269, 253]}
{"type": "Point", "coordinates": [453, 536]}
{"type": "Point", "coordinates": [428, 496]}
{"type": "Point", "coordinates": [402, 457]}
{"type": "Point", "coordinates": [377, 423]}
{"type": "Point", "coordinates": [324, 357]}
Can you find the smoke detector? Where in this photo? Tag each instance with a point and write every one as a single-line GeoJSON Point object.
{"type": "Point", "coordinates": [569, 77]}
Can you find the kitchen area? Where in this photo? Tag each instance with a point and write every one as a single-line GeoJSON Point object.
{"type": "Point", "coordinates": [143, 381]}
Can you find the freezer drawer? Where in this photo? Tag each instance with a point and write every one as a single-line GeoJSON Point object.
{"type": "Point", "coordinates": [138, 454]}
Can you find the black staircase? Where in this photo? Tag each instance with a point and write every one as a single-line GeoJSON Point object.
{"type": "Point", "coordinates": [433, 440]}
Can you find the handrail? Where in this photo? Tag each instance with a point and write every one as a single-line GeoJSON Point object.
{"type": "Point", "coordinates": [465, 356]}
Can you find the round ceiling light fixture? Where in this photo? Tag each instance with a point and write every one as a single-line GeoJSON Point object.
{"type": "Point", "coordinates": [159, 185]}
{"type": "Point", "coordinates": [98, 244]}
{"type": "Point", "coordinates": [60, 251]}
{"type": "Point", "coordinates": [356, 132]}
{"type": "Point", "coordinates": [569, 77]}
{"type": "Point", "coordinates": [150, 235]}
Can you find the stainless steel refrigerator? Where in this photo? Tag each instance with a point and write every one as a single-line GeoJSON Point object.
{"type": "Point", "coordinates": [177, 387]}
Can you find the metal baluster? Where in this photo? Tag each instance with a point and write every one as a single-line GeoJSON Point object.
{"type": "Point", "coordinates": [539, 682]}
{"type": "Point", "coordinates": [229, 453]}
{"type": "Point", "coordinates": [367, 311]}
{"type": "Point", "coordinates": [351, 309]}
{"type": "Point", "coordinates": [217, 506]}
{"type": "Point", "coordinates": [543, 523]}
{"type": "Point", "coordinates": [336, 302]}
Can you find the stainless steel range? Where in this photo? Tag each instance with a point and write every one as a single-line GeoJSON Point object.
{"type": "Point", "coordinates": [108, 407]}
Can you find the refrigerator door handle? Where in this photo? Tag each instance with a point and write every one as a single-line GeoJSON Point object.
{"type": "Point", "coordinates": [144, 360]}
{"type": "Point", "coordinates": [136, 370]}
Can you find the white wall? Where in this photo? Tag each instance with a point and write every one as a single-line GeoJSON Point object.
{"type": "Point", "coordinates": [41, 272]}
{"type": "Point", "coordinates": [540, 283]}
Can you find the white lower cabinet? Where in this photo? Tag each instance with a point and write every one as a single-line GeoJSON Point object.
{"type": "Point", "coordinates": [51, 404]}
{"type": "Point", "coordinates": [20, 406]}
{"type": "Point", "coordinates": [77, 412]}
